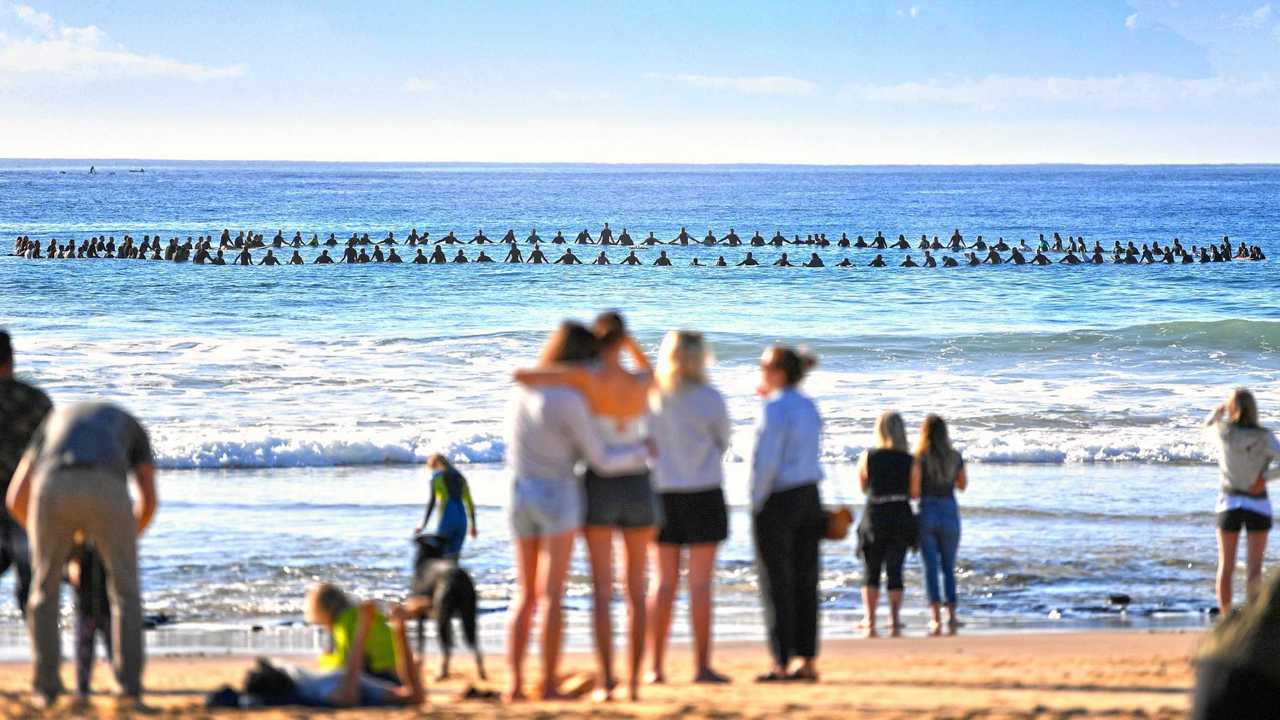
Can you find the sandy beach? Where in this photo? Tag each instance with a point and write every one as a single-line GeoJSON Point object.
{"type": "Point", "coordinates": [1087, 674]}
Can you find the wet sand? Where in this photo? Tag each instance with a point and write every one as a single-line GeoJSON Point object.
{"type": "Point", "coordinates": [1086, 674]}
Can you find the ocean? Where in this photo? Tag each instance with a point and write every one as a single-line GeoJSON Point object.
{"type": "Point", "coordinates": [291, 407]}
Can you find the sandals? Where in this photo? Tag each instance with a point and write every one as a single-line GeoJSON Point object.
{"type": "Point", "coordinates": [773, 676]}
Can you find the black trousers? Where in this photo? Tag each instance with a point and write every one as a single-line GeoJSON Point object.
{"type": "Point", "coordinates": [787, 531]}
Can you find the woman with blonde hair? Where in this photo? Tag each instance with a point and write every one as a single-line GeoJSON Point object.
{"type": "Point", "coordinates": [890, 479]}
{"type": "Point", "coordinates": [1245, 450]}
{"type": "Point", "coordinates": [449, 490]}
{"type": "Point", "coordinates": [941, 474]}
{"type": "Point", "coordinates": [787, 509]}
{"type": "Point", "coordinates": [690, 425]}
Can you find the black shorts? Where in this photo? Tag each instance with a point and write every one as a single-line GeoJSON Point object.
{"type": "Point", "coordinates": [1233, 520]}
{"type": "Point", "coordinates": [622, 501]}
{"type": "Point", "coordinates": [695, 518]}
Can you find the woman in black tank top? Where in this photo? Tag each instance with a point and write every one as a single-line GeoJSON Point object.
{"type": "Point", "coordinates": [890, 479]}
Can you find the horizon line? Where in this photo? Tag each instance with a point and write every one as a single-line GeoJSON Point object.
{"type": "Point", "coordinates": [638, 164]}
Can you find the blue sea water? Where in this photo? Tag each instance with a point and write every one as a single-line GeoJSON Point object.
{"type": "Point", "coordinates": [289, 405]}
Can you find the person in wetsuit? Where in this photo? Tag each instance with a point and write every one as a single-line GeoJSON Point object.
{"type": "Point", "coordinates": [420, 259]}
{"type": "Point", "coordinates": [720, 262]}
{"type": "Point", "coordinates": [877, 262]}
{"type": "Point", "coordinates": [449, 490]}
{"type": "Point", "coordinates": [483, 257]}
{"type": "Point", "coordinates": [393, 257]}
{"type": "Point", "coordinates": [814, 261]}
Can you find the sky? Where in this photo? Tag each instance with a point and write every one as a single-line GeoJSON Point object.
{"type": "Point", "coordinates": [711, 81]}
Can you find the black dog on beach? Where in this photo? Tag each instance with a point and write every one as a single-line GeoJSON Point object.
{"type": "Point", "coordinates": [444, 590]}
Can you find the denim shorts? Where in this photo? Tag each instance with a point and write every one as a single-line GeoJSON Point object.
{"type": "Point", "coordinates": [545, 507]}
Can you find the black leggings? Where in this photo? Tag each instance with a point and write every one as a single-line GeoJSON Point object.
{"type": "Point", "coordinates": [787, 531]}
{"type": "Point", "coordinates": [887, 555]}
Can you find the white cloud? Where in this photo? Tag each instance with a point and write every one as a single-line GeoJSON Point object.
{"type": "Point", "coordinates": [1131, 22]}
{"type": "Point", "coordinates": [1256, 18]}
{"type": "Point", "coordinates": [51, 48]}
{"type": "Point", "coordinates": [419, 85]}
{"type": "Point", "coordinates": [913, 12]}
{"type": "Point", "coordinates": [1121, 91]}
{"type": "Point", "coordinates": [747, 85]}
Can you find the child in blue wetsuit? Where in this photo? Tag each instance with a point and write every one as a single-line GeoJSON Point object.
{"type": "Point", "coordinates": [449, 489]}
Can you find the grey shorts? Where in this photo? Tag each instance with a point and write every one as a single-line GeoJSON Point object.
{"type": "Point", "coordinates": [545, 507]}
{"type": "Point", "coordinates": [621, 501]}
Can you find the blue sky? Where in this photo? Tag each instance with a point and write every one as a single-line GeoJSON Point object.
{"type": "Point", "coordinates": [744, 81]}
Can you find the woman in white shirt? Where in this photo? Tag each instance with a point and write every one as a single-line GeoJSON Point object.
{"type": "Point", "coordinates": [690, 426]}
{"type": "Point", "coordinates": [1245, 451]}
{"type": "Point", "coordinates": [788, 513]}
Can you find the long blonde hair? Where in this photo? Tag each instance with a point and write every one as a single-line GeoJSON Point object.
{"type": "Point", "coordinates": [1242, 409]}
{"type": "Point", "coordinates": [682, 359]}
{"type": "Point", "coordinates": [891, 432]}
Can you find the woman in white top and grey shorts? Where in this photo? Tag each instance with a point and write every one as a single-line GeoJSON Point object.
{"type": "Point", "coordinates": [1245, 451]}
{"type": "Point", "coordinates": [691, 429]}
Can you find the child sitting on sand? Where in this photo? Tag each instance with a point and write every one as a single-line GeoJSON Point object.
{"type": "Point", "coordinates": [87, 575]}
{"type": "Point", "coordinates": [329, 607]}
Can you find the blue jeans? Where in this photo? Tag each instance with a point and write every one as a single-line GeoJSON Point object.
{"type": "Point", "coordinates": [939, 539]}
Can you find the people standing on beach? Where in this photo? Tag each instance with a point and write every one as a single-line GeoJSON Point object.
{"type": "Point", "coordinates": [691, 430]}
{"type": "Point", "coordinates": [22, 409]}
{"type": "Point", "coordinates": [548, 432]}
{"type": "Point", "coordinates": [619, 501]}
{"type": "Point", "coordinates": [788, 520]}
{"type": "Point", "coordinates": [73, 479]}
{"type": "Point", "coordinates": [942, 473]}
{"type": "Point", "coordinates": [449, 490]}
{"type": "Point", "coordinates": [890, 479]}
{"type": "Point", "coordinates": [1245, 452]}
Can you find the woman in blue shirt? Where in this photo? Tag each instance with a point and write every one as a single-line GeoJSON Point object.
{"type": "Point", "coordinates": [788, 514]}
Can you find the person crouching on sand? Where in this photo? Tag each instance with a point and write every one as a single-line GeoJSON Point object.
{"type": "Point", "coordinates": [549, 431]}
{"type": "Point", "coordinates": [691, 429]}
{"type": "Point", "coordinates": [788, 521]}
{"type": "Point", "coordinates": [327, 606]}
{"type": "Point", "coordinates": [1245, 451]}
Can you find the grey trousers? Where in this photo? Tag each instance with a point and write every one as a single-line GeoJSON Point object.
{"type": "Point", "coordinates": [97, 504]}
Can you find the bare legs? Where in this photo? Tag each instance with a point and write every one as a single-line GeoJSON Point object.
{"type": "Point", "coordinates": [600, 552]}
{"type": "Point", "coordinates": [702, 560]}
{"type": "Point", "coordinates": [541, 566]}
{"type": "Point", "coordinates": [1255, 551]}
{"type": "Point", "coordinates": [1227, 542]}
{"type": "Point", "coordinates": [870, 599]}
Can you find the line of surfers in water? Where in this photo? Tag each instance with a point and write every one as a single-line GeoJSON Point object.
{"type": "Point", "coordinates": [1074, 250]}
